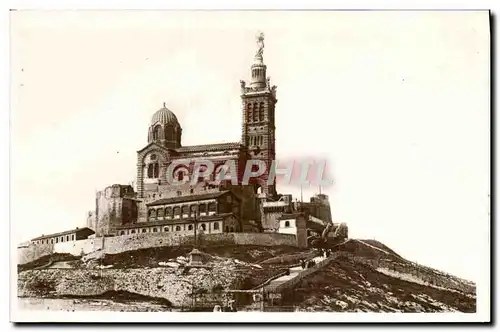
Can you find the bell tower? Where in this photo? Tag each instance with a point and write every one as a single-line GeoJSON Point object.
{"type": "Point", "coordinates": [258, 106]}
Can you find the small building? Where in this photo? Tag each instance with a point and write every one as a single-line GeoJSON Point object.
{"type": "Point", "coordinates": [271, 212]}
{"type": "Point", "coordinates": [296, 224]}
{"type": "Point", "coordinates": [195, 257]}
{"type": "Point", "coordinates": [67, 236]}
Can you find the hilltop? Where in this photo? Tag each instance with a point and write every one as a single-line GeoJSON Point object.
{"type": "Point", "coordinates": [361, 275]}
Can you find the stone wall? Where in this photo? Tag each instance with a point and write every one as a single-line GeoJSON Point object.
{"type": "Point", "coordinates": [422, 274]}
{"type": "Point", "coordinates": [33, 252]}
{"type": "Point", "coordinates": [77, 248]}
{"type": "Point", "coordinates": [118, 244]}
{"type": "Point", "coordinates": [270, 220]}
{"type": "Point", "coordinates": [114, 207]}
{"type": "Point", "coordinates": [264, 239]}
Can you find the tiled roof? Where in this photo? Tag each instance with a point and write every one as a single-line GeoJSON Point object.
{"type": "Point", "coordinates": [167, 222]}
{"type": "Point", "coordinates": [153, 144]}
{"type": "Point", "coordinates": [210, 147]}
{"type": "Point", "coordinates": [188, 198]}
{"type": "Point", "coordinates": [79, 230]}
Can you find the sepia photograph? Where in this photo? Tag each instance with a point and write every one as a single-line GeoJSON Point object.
{"type": "Point", "coordinates": [249, 166]}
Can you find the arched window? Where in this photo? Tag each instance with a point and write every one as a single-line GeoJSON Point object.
{"type": "Point", "coordinates": [216, 225]}
{"type": "Point", "coordinates": [185, 211]}
{"type": "Point", "coordinates": [178, 228]}
{"type": "Point", "coordinates": [170, 133]}
{"type": "Point", "coordinates": [73, 237]}
{"type": "Point", "coordinates": [166, 229]}
{"type": "Point", "coordinates": [152, 214]}
{"type": "Point", "coordinates": [51, 241]}
{"type": "Point", "coordinates": [144, 230]}
{"type": "Point", "coordinates": [204, 227]}
{"type": "Point", "coordinates": [132, 231]}
{"type": "Point", "coordinates": [287, 223]}
{"type": "Point", "coordinates": [156, 170]}
{"type": "Point", "coordinates": [168, 212]}
{"type": "Point", "coordinates": [255, 113]}
{"type": "Point", "coordinates": [190, 227]}
{"type": "Point", "coordinates": [261, 112]}
{"type": "Point", "coordinates": [155, 230]}
{"type": "Point", "coordinates": [156, 133]}
{"type": "Point", "coordinates": [122, 233]}
{"type": "Point", "coordinates": [249, 112]}
{"type": "Point", "coordinates": [177, 212]}
{"type": "Point", "coordinates": [150, 171]}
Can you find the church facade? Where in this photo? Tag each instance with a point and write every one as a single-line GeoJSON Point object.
{"type": "Point", "coordinates": [157, 201]}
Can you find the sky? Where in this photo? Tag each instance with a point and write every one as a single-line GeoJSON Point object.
{"type": "Point", "coordinates": [396, 102]}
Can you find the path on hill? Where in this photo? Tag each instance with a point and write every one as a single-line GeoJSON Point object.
{"type": "Point", "coordinates": [294, 272]}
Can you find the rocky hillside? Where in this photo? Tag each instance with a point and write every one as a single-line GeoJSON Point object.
{"type": "Point", "coordinates": [154, 273]}
{"type": "Point", "coordinates": [373, 278]}
{"type": "Point", "coordinates": [361, 275]}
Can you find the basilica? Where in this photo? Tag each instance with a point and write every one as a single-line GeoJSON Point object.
{"type": "Point", "coordinates": [220, 201]}
{"type": "Point", "coordinates": [155, 205]}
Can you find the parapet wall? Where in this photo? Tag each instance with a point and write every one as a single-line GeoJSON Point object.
{"type": "Point", "coordinates": [118, 244]}
{"type": "Point", "coordinates": [422, 274]}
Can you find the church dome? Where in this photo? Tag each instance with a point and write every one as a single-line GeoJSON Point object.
{"type": "Point", "coordinates": [164, 116]}
{"type": "Point", "coordinates": [165, 129]}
